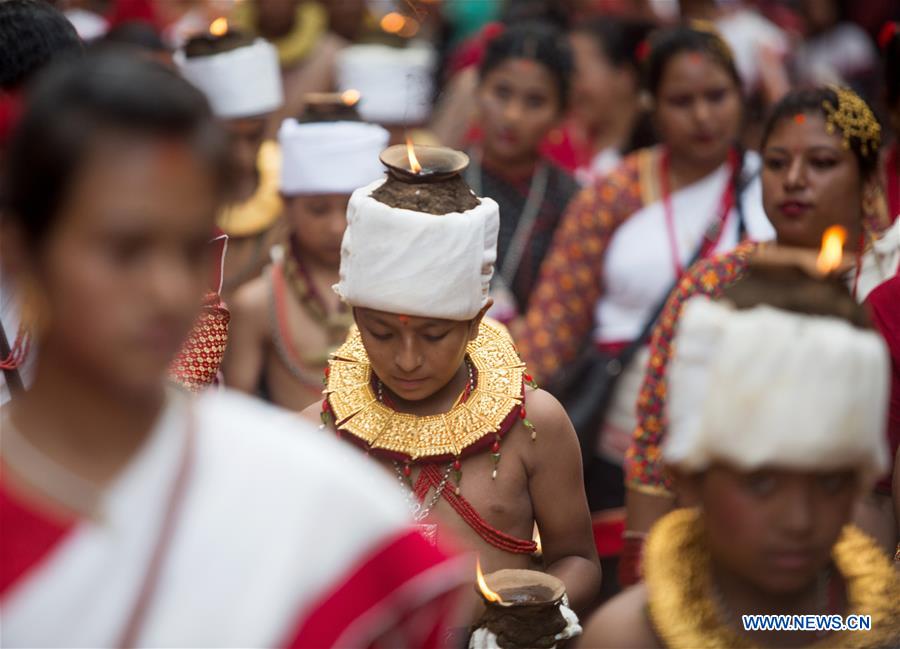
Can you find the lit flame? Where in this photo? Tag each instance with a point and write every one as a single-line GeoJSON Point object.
{"type": "Point", "coordinates": [410, 28]}
{"type": "Point", "coordinates": [488, 594]}
{"type": "Point", "coordinates": [350, 97]}
{"type": "Point", "coordinates": [832, 249]}
{"type": "Point", "coordinates": [393, 22]}
{"type": "Point", "coordinates": [414, 165]}
{"type": "Point", "coordinates": [219, 26]}
{"type": "Point", "coordinates": [539, 550]}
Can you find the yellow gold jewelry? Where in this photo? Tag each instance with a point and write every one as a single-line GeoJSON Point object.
{"type": "Point", "coordinates": [259, 212]}
{"type": "Point", "coordinates": [853, 118]}
{"type": "Point", "coordinates": [496, 395]}
{"type": "Point", "coordinates": [681, 600]}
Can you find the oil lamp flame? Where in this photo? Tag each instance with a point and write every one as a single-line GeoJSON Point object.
{"type": "Point", "coordinates": [393, 22]}
{"type": "Point", "coordinates": [219, 26]}
{"type": "Point", "coordinates": [414, 165]}
{"type": "Point", "coordinates": [832, 250]}
{"type": "Point", "coordinates": [488, 594]}
{"type": "Point", "coordinates": [350, 97]}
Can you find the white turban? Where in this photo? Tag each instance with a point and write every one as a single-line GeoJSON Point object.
{"type": "Point", "coordinates": [766, 387]}
{"type": "Point", "coordinates": [395, 83]}
{"type": "Point", "coordinates": [244, 82]}
{"type": "Point", "coordinates": [329, 157]}
{"type": "Point", "coordinates": [401, 261]}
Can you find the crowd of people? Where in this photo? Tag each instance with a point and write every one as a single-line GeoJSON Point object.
{"type": "Point", "coordinates": [316, 312]}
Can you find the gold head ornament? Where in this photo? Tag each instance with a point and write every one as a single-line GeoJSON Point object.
{"type": "Point", "coordinates": [853, 118]}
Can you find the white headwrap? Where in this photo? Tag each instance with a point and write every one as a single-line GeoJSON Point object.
{"type": "Point", "coordinates": [395, 83]}
{"type": "Point", "coordinates": [765, 387]}
{"type": "Point", "coordinates": [244, 82]}
{"type": "Point", "coordinates": [401, 261]}
{"type": "Point", "coordinates": [329, 157]}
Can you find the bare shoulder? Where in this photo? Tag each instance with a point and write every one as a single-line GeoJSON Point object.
{"type": "Point", "coordinates": [621, 623]}
{"type": "Point", "coordinates": [547, 413]}
{"type": "Point", "coordinates": [251, 301]}
{"type": "Point", "coordinates": [555, 444]}
{"type": "Point", "coordinates": [549, 418]}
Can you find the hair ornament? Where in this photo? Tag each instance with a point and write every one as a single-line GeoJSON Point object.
{"type": "Point", "coordinates": [853, 118]}
{"type": "Point", "coordinates": [887, 34]}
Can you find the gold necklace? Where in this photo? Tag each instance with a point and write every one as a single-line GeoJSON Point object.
{"type": "Point", "coordinates": [497, 396]}
{"type": "Point", "coordinates": [682, 603]}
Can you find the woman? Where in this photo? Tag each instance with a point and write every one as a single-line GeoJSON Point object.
{"type": "Point", "coordinates": [522, 95]}
{"type": "Point", "coordinates": [773, 469]}
{"type": "Point", "coordinates": [623, 242]}
{"type": "Point", "coordinates": [437, 395]}
{"type": "Point", "coordinates": [607, 119]}
{"type": "Point", "coordinates": [820, 170]}
{"type": "Point", "coordinates": [113, 484]}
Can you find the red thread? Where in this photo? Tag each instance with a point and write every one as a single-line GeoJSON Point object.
{"type": "Point", "coordinates": [431, 477]}
{"type": "Point", "coordinates": [19, 351]}
{"type": "Point", "coordinates": [725, 205]}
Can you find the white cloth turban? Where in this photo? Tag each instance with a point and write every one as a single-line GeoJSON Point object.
{"type": "Point", "coordinates": [329, 157]}
{"type": "Point", "coordinates": [244, 82]}
{"type": "Point", "coordinates": [766, 387]}
{"type": "Point", "coordinates": [395, 83]}
{"type": "Point", "coordinates": [402, 261]}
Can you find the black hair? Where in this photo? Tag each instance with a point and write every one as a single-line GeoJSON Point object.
{"type": "Point", "coordinates": [73, 104]}
{"type": "Point", "coordinates": [804, 101]}
{"type": "Point", "coordinates": [32, 34]}
{"type": "Point", "coordinates": [891, 57]}
{"type": "Point", "coordinates": [547, 12]}
{"type": "Point", "coordinates": [667, 43]}
{"type": "Point", "coordinates": [208, 44]}
{"type": "Point", "coordinates": [620, 41]}
{"type": "Point", "coordinates": [538, 42]}
{"type": "Point", "coordinates": [136, 34]}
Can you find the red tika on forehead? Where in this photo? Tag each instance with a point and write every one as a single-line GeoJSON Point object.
{"type": "Point", "coordinates": [404, 319]}
{"type": "Point", "coordinates": [799, 118]}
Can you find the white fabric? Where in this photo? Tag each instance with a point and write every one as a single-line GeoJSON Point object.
{"type": "Point", "coordinates": [748, 34]}
{"type": "Point", "coordinates": [765, 387]}
{"type": "Point", "coordinates": [401, 261]}
{"type": "Point", "coordinates": [88, 24]}
{"type": "Point", "coordinates": [275, 513]}
{"type": "Point", "coordinates": [879, 263]}
{"type": "Point", "coordinates": [9, 316]}
{"type": "Point", "coordinates": [329, 157]}
{"type": "Point", "coordinates": [482, 638]}
{"type": "Point", "coordinates": [395, 83]}
{"type": "Point", "coordinates": [244, 82]}
{"type": "Point", "coordinates": [638, 267]}
{"type": "Point", "coordinates": [837, 55]}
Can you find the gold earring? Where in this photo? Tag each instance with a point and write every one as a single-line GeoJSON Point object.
{"type": "Point", "coordinates": [874, 209]}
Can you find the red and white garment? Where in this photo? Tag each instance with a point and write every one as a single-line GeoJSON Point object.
{"type": "Point", "coordinates": [639, 268]}
{"type": "Point", "coordinates": [283, 538]}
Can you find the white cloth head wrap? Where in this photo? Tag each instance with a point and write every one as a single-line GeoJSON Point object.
{"type": "Point", "coordinates": [329, 157]}
{"type": "Point", "coordinates": [395, 83]}
{"type": "Point", "coordinates": [244, 82]}
{"type": "Point", "coordinates": [765, 387]}
{"type": "Point", "coordinates": [402, 261]}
